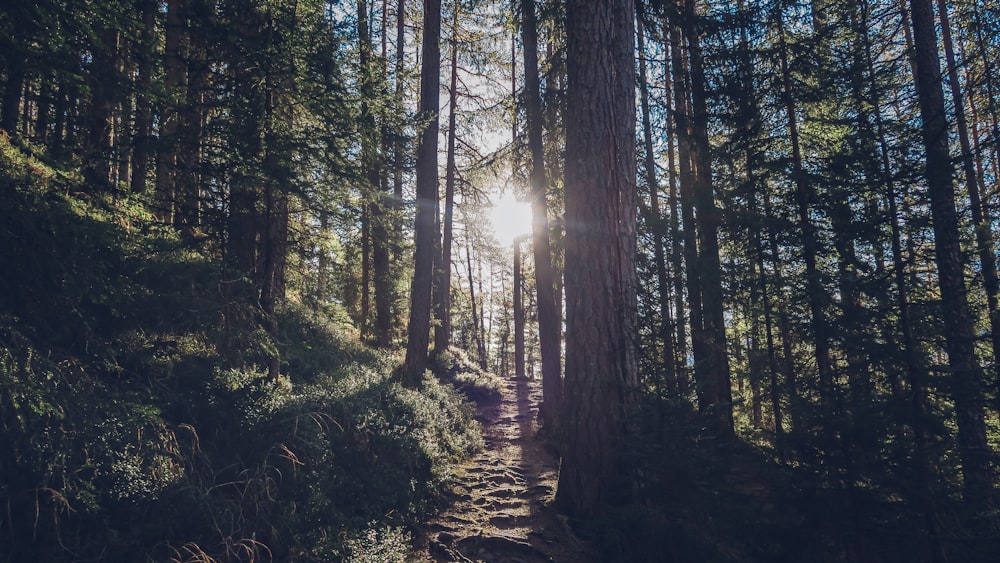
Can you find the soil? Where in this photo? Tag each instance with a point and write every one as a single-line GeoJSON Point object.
{"type": "Point", "coordinates": [501, 509]}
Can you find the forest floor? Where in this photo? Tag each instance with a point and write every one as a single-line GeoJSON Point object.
{"type": "Point", "coordinates": [501, 510]}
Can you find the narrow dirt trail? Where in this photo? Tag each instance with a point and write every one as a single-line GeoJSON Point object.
{"type": "Point", "coordinates": [501, 511]}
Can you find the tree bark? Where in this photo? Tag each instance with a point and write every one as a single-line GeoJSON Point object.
{"type": "Point", "coordinates": [518, 312]}
{"type": "Point", "coordinates": [966, 375]}
{"type": "Point", "coordinates": [980, 216]}
{"type": "Point", "coordinates": [144, 105]}
{"type": "Point", "coordinates": [174, 79]}
{"type": "Point", "coordinates": [682, 119]}
{"type": "Point", "coordinates": [476, 323]}
{"type": "Point", "coordinates": [804, 200]}
{"type": "Point", "coordinates": [656, 219]}
{"type": "Point", "coordinates": [442, 331]}
{"type": "Point", "coordinates": [549, 315]}
{"type": "Point", "coordinates": [418, 330]}
{"type": "Point", "coordinates": [712, 368]}
{"type": "Point", "coordinates": [601, 367]}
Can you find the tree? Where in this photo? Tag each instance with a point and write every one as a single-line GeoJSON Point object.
{"type": "Point", "coordinates": [548, 309]}
{"type": "Point", "coordinates": [418, 330]}
{"type": "Point", "coordinates": [966, 375]}
{"type": "Point", "coordinates": [712, 368]}
{"type": "Point", "coordinates": [601, 370]}
{"type": "Point", "coordinates": [442, 330]}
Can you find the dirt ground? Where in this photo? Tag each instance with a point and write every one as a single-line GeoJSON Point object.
{"type": "Point", "coordinates": [501, 510]}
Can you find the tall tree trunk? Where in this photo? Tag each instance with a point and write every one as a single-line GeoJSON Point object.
{"type": "Point", "coordinates": [656, 219]}
{"type": "Point", "coordinates": [397, 145]}
{"type": "Point", "coordinates": [383, 216]}
{"type": "Point", "coordinates": [187, 202]}
{"type": "Point", "coordinates": [810, 245]}
{"type": "Point", "coordinates": [44, 110]}
{"type": "Point", "coordinates": [966, 376]}
{"type": "Point", "coordinates": [676, 249]}
{"type": "Point", "coordinates": [174, 79]}
{"type": "Point", "coordinates": [750, 119]}
{"type": "Point", "coordinates": [601, 332]}
{"type": "Point", "coordinates": [371, 190]}
{"type": "Point", "coordinates": [713, 368]}
{"type": "Point", "coordinates": [57, 141]}
{"type": "Point", "coordinates": [144, 104]}
{"type": "Point", "coordinates": [12, 94]}
{"type": "Point", "coordinates": [518, 312]}
{"type": "Point", "coordinates": [915, 368]}
{"type": "Point", "coordinates": [442, 331]}
{"type": "Point", "coordinates": [103, 95]}
{"type": "Point", "coordinates": [418, 330]}
{"type": "Point", "coordinates": [685, 142]}
{"type": "Point", "coordinates": [980, 219]}
{"type": "Point", "coordinates": [549, 315]}
{"type": "Point", "coordinates": [476, 322]}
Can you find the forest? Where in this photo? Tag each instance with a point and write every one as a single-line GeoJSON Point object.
{"type": "Point", "coordinates": [273, 272]}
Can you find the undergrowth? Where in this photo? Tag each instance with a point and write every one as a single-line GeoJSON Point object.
{"type": "Point", "coordinates": [137, 421]}
{"type": "Point", "coordinates": [455, 366]}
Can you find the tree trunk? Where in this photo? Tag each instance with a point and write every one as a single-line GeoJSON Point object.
{"type": "Point", "coordinates": [676, 250]}
{"type": "Point", "coordinates": [685, 149]}
{"type": "Point", "coordinates": [144, 104]}
{"type": "Point", "coordinates": [518, 312]}
{"type": "Point", "coordinates": [418, 330]}
{"type": "Point", "coordinates": [442, 331]}
{"type": "Point", "coordinates": [966, 376]}
{"type": "Point", "coordinates": [804, 197]}
{"type": "Point", "coordinates": [174, 79]}
{"type": "Point", "coordinates": [980, 216]}
{"type": "Point", "coordinates": [187, 203]}
{"type": "Point", "coordinates": [601, 367]}
{"type": "Point", "coordinates": [476, 323]}
{"type": "Point", "coordinates": [549, 314]}
{"type": "Point", "coordinates": [100, 130]}
{"type": "Point", "coordinates": [12, 94]}
{"type": "Point", "coordinates": [712, 369]}
{"type": "Point", "coordinates": [656, 219]}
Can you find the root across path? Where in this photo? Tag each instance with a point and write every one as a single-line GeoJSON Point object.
{"type": "Point", "coordinates": [501, 509]}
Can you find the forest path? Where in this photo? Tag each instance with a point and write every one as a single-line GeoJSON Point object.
{"type": "Point", "coordinates": [501, 510]}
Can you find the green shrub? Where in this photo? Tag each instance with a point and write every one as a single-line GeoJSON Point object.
{"type": "Point", "coordinates": [455, 366]}
{"type": "Point", "coordinates": [137, 419]}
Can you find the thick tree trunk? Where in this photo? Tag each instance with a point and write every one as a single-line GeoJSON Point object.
{"type": "Point", "coordinates": [601, 332]}
{"type": "Point", "coordinates": [418, 330]}
{"type": "Point", "coordinates": [549, 315]}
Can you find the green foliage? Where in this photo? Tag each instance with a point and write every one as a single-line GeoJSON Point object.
{"type": "Point", "coordinates": [454, 366]}
{"type": "Point", "coordinates": [137, 420]}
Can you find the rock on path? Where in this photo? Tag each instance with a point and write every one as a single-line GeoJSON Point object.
{"type": "Point", "coordinates": [501, 510]}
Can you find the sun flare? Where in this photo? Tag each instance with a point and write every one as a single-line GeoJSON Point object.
{"type": "Point", "coordinates": [510, 218]}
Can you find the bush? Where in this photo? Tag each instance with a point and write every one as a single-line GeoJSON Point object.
{"type": "Point", "coordinates": [454, 365]}
{"type": "Point", "coordinates": [137, 420]}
